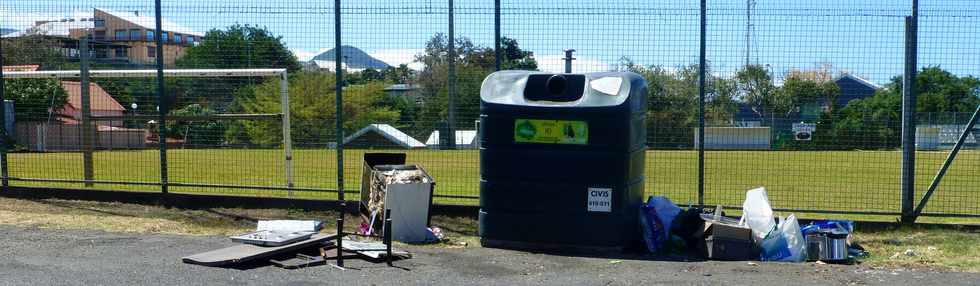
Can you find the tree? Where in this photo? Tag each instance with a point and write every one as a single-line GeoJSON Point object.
{"type": "Point", "coordinates": [673, 102]}
{"type": "Point", "coordinates": [313, 110]}
{"type": "Point", "coordinates": [473, 64]}
{"type": "Point", "coordinates": [800, 91]}
{"type": "Point", "coordinates": [757, 90]}
{"type": "Point", "coordinates": [197, 133]}
{"type": "Point", "coordinates": [240, 47]}
{"type": "Point", "coordinates": [514, 57]}
{"type": "Point", "coordinates": [35, 99]}
{"type": "Point", "coordinates": [237, 46]}
{"type": "Point", "coordinates": [871, 123]}
{"type": "Point", "coordinates": [940, 91]}
{"type": "Point", "coordinates": [400, 74]}
{"type": "Point", "coordinates": [33, 50]}
{"type": "Point", "coordinates": [812, 96]}
{"type": "Point", "coordinates": [365, 76]}
{"type": "Point", "coordinates": [878, 118]}
{"type": "Point", "coordinates": [722, 104]}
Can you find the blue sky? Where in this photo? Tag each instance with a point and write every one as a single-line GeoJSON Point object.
{"type": "Point", "coordinates": [860, 37]}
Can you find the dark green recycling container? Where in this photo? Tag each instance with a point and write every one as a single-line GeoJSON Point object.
{"type": "Point", "coordinates": [561, 159]}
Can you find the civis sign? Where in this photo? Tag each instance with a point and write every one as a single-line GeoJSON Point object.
{"type": "Point", "coordinates": [600, 200]}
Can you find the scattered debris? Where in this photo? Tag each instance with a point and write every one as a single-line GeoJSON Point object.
{"type": "Point", "coordinates": [404, 190]}
{"type": "Point", "coordinates": [910, 252]}
{"type": "Point", "coordinates": [655, 219]}
{"type": "Point", "coordinates": [778, 241]}
{"type": "Point", "coordinates": [724, 239]}
{"type": "Point", "coordinates": [615, 261]}
{"type": "Point", "coordinates": [759, 235]}
{"type": "Point", "coordinates": [271, 237]}
{"type": "Point", "coordinates": [300, 261]}
{"type": "Point", "coordinates": [290, 225]}
{"type": "Point", "coordinates": [434, 234]}
{"type": "Point", "coordinates": [753, 263]}
{"type": "Point", "coordinates": [247, 252]}
{"type": "Point", "coordinates": [374, 250]}
{"type": "Point", "coordinates": [381, 180]}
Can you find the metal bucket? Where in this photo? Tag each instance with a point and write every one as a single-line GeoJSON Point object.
{"type": "Point", "coordinates": [836, 246]}
{"type": "Point", "coordinates": [826, 245]}
{"type": "Point", "coordinates": [816, 243]}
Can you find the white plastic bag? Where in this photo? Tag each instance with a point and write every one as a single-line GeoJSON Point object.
{"type": "Point", "coordinates": [757, 213]}
{"type": "Point", "coordinates": [790, 228]}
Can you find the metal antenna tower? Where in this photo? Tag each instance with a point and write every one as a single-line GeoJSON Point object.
{"type": "Point", "coordinates": [749, 28]}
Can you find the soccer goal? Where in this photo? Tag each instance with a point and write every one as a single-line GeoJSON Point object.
{"type": "Point", "coordinates": [88, 136]}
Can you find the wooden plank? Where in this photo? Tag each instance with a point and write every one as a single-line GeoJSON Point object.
{"type": "Point", "coordinates": [246, 252]}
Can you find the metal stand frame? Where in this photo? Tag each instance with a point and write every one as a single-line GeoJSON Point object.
{"type": "Point", "coordinates": [385, 238]}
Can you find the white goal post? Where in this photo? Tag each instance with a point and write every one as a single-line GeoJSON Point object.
{"type": "Point", "coordinates": [281, 73]}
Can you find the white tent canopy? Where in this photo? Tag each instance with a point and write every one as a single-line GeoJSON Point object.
{"type": "Point", "coordinates": [464, 139]}
{"type": "Point", "coordinates": [389, 132]}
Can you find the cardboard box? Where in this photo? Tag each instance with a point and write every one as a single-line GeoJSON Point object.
{"type": "Point", "coordinates": [726, 241]}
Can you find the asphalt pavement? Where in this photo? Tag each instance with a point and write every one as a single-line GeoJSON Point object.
{"type": "Point", "coordinates": [32, 256]}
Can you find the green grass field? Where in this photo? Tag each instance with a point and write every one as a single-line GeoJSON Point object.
{"type": "Point", "coordinates": [832, 180]}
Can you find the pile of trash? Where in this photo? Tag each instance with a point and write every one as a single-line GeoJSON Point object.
{"type": "Point", "coordinates": [757, 235]}
{"type": "Point", "coordinates": [292, 244]}
{"type": "Point", "coordinates": [385, 178]}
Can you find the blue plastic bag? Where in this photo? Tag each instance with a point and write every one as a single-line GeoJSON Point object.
{"type": "Point", "coordinates": [828, 224]}
{"type": "Point", "coordinates": [655, 219]}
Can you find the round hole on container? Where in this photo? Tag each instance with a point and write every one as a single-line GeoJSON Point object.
{"type": "Point", "coordinates": [556, 84]}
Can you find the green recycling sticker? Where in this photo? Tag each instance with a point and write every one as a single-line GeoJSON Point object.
{"type": "Point", "coordinates": [551, 131]}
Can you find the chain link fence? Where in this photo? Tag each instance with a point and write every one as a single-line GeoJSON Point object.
{"type": "Point", "coordinates": [805, 99]}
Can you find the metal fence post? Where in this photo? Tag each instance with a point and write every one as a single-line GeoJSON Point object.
{"type": "Point", "coordinates": [87, 173]}
{"type": "Point", "coordinates": [908, 121]}
{"type": "Point", "coordinates": [338, 97]}
{"type": "Point", "coordinates": [161, 100]}
{"type": "Point", "coordinates": [3, 127]}
{"type": "Point", "coordinates": [701, 74]}
{"type": "Point", "coordinates": [496, 34]}
{"type": "Point", "coordinates": [287, 140]}
{"type": "Point", "coordinates": [451, 84]}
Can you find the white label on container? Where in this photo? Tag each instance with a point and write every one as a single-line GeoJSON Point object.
{"type": "Point", "coordinates": [608, 85]}
{"type": "Point", "coordinates": [600, 200]}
